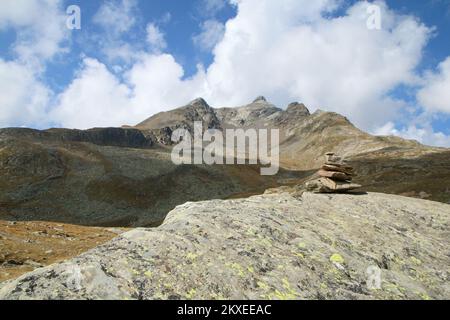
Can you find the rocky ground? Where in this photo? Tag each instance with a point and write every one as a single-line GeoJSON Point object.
{"type": "Point", "coordinates": [25, 246]}
{"type": "Point", "coordinates": [284, 244]}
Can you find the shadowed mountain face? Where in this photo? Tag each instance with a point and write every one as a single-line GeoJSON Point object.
{"type": "Point", "coordinates": [107, 177]}
{"type": "Point", "coordinates": [125, 177]}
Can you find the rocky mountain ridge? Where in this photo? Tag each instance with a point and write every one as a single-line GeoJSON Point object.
{"type": "Point", "coordinates": [303, 135]}
{"type": "Point", "coordinates": [390, 164]}
{"type": "Point", "coordinates": [116, 137]}
{"type": "Point", "coordinates": [111, 177]}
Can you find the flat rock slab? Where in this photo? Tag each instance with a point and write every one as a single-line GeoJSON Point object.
{"type": "Point", "coordinates": [327, 185]}
{"type": "Point", "coordinates": [273, 246]}
{"type": "Point", "coordinates": [338, 164]}
{"type": "Point", "coordinates": [345, 169]}
{"type": "Point", "coordinates": [334, 175]}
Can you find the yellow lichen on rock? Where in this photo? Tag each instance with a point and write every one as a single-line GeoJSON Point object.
{"type": "Point", "coordinates": [337, 258]}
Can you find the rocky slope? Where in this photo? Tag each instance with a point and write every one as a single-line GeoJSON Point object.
{"type": "Point", "coordinates": [281, 245]}
{"type": "Point", "coordinates": [106, 177]}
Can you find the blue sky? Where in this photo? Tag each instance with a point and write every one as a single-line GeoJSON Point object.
{"type": "Point", "coordinates": [133, 58]}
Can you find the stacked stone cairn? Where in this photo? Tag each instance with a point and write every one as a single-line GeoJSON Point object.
{"type": "Point", "coordinates": [335, 177]}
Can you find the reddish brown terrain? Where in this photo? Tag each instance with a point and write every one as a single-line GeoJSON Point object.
{"type": "Point", "coordinates": [24, 246]}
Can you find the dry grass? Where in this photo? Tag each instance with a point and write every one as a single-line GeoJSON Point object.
{"type": "Point", "coordinates": [24, 246]}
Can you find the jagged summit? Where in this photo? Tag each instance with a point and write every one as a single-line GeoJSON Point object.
{"type": "Point", "coordinates": [260, 99]}
{"type": "Point", "coordinates": [200, 102]}
{"type": "Point", "coordinates": [297, 109]}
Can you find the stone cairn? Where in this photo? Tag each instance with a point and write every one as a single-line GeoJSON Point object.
{"type": "Point", "coordinates": [335, 177]}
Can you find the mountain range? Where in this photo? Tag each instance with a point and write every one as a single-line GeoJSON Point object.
{"type": "Point", "coordinates": [124, 176]}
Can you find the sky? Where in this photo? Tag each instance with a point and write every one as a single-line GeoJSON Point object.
{"type": "Point", "coordinates": [383, 64]}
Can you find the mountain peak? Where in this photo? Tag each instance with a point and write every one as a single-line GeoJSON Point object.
{"type": "Point", "coordinates": [199, 102]}
{"type": "Point", "coordinates": [260, 99]}
{"type": "Point", "coordinates": [297, 109]}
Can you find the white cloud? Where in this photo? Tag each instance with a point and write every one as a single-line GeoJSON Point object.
{"type": "Point", "coordinates": [24, 99]}
{"type": "Point", "coordinates": [155, 37]}
{"type": "Point", "coordinates": [435, 95]}
{"type": "Point", "coordinates": [17, 13]}
{"type": "Point", "coordinates": [97, 97]}
{"type": "Point", "coordinates": [212, 32]}
{"type": "Point", "coordinates": [424, 134]}
{"type": "Point", "coordinates": [117, 19]}
{"type": "Point", "coordinates": [40, 27]}
{"type": "Point", "coordinates": [117, 16]}
{"type": "Point", "coordinates": [94, 98]}
{"type": "Point", "coordinates": [121, 52]}
{"type": "Point", "coordinates": [210, 8]}
{"type": "Point", "coordinates": [288, 51]}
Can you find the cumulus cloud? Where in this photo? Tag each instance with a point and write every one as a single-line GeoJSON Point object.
{"type": "Point", "coordinates": [40, 27]}
{"type": "Point", "coordinates": [40, 31]}
{"type": "Point", "coordinates": [24, 99]}
{"type": "Point", "coordinates": [435, 94]}
{"type": "Point", "coordinates": [334, 63]}
{"type": "Point", "coordinates": [211, 33]}
{"type": "Point", "coordinates": [424, 134]}
{"type": "Point", "coordinates": [95, 98]}
{"type": "Point", "coordinates": [17, 13]}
